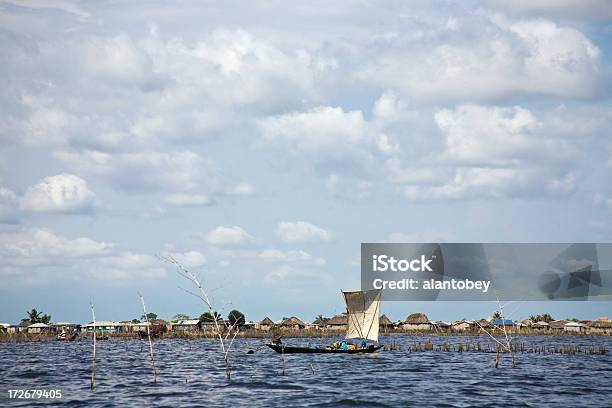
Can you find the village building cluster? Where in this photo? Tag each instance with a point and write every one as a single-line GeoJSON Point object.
{"type": "Point", "coordinates": [416, 322]}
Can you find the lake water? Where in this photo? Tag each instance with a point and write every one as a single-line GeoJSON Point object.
{"type": "Point", "coordinates": [191, 374]}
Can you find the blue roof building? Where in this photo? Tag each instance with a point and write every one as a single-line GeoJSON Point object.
{"type": "Point", "coordinates": [502, 322]}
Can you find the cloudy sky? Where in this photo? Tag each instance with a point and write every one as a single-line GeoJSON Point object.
{"type": "Point", "coordinates": [260, 145]}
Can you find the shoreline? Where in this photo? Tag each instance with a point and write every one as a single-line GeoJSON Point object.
{"type": "Point", "coordinates": [286, 334]}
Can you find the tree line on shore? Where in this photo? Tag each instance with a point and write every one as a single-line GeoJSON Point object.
{"type": "Point", "coordinates": [235, 317]}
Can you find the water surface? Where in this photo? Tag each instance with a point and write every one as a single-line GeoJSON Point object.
{"type": "Point", "coordinates": [191, 373]}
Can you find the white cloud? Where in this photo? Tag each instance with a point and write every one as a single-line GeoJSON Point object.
{"type": "Point", "coordinates": [186, 177]}
{"type": "Point", "coordinates": [189, 259]}
{"type": "Point", "coordinates": [36, 245]}
{"type": "Point", "coordinates": [251, 260]}
{"type": "Point", "coordinates": [229, 236]}
{"type": "Point", "coordinates": [243, 188]}
{"type": "Point", "coordinates": [8, 202]}
{"type": "Point", "coordinates": [490, 57]}
{"type": "Point", "coordinates": [40, 255]}
{"type": "Point", "coordinates": [48, 124]}
{"type": "Point", "coordinates": [558, 57]}
{"type": "Point", "coordinates": [188, 200]}
{"type": "Point", "coordinates": [421, 236]}
{"type": "Point", "coordinates": [474, 151]}
{"type": "Point", "coordinates": [275, 255]}
{"type": "Point", "coordinates": [489, 152]}
{"type": "Point", "coordinates": [600, 199]}
{"type": "Point", "coordinates": [322, 129]}
{"type": "Point", "coordinates": [61, 193]}
{"type": "Point", "coordinates": [122, 92]}
{"type": "Point", "coordinates": [65, 6]}
{"type": "Point", "coordinates": [475, 183]}
{"type": "Point", "coordinates": [349, 188]}
{"type": "Point", "coordinates": [126, 266]}
{"type": "Point", "coordinates": [118, 59]}
{"type": "Point", "coordinates": [569, 9]}
{"type": "Point", "coordinates": [297, 278]}
{"type": "Point", "coordinates": [389, 106]}
{"type": "Point", "coordinates": [419, 172]}
{"type": "Point", "coordinates": [301, 231]}
{"type": "Point", "coordinates": [325, 133]}
{"type": "Point", "coordinates": [492, 135]}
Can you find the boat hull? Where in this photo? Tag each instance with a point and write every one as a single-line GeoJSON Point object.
{"type": "Point", "coordinates": [307, 350]}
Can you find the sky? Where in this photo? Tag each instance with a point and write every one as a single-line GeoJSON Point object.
{"type": "Point", "coordinates": [261, 144]}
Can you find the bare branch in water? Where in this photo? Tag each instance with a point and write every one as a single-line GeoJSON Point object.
{"type": "Point", "coordinates": [507, 344]}
{"type": "Point", "coordinates": [219, 329]}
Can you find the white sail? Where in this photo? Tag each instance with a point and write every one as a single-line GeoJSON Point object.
{"type": "Point", "coordinates": [363, 310]}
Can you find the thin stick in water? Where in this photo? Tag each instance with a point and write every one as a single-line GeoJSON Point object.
{"type": "Point", "coordinates": [93, 359]}
{"type": "Point", "coordinates": [144, 309]}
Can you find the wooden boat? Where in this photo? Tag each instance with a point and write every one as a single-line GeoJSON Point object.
{"type": "Point", "coordinates": [363, 309]}
{"type": "Point", "coordinates": [294, 349]}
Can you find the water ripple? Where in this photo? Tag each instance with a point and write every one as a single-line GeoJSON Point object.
{"type": "Point", "coordinates": [191, 373]}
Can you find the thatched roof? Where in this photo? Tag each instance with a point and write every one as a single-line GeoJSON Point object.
{"type": "Point", "coordinates": [338, 320]}
{"type": "Point", "coordinates": [385, 321]}
{"type": "Point", "coordinates": [293, 321]}
{"type": "Point", "coordinates": [267, 322]}
{"type": "Point", "coordinates": [417, 318]}
{"type": "Point", "coordinates": [601, 324]}
{"type": "Point", "coordinates": [158, 322]}
{"type": "Point", "coordinates": [321, 322]}
{"type": "Point", "coordinates": [25, 323]}
{"type": "Point", "coordinates": [482, 323]}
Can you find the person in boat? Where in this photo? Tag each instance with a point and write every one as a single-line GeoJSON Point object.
{"type": "Point", "coordinates": [277, 342]}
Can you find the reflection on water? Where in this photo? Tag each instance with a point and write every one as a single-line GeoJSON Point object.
{"type": "Point", "coordinates": [191, 373]}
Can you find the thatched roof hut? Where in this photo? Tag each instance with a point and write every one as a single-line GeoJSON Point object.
{"type": "Point", "coordinates": [293, 322]}
{"type": "Point", "coordinates": [484, 323]}
{"type": "Point", "coordinates": [416, 321]}
{"type": "Point", "coordinates": [417, 318]}
{"type": "Point", "coordinates": [320, 322]}
{"type": "Point", "coordinates": [265, 324]}
{"type": "Point", "coordinates": [384, 321]}
{"type": "Point", "coordinates": [338, 320]}
{"type": "Point", "coordinates": [601, 324]}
